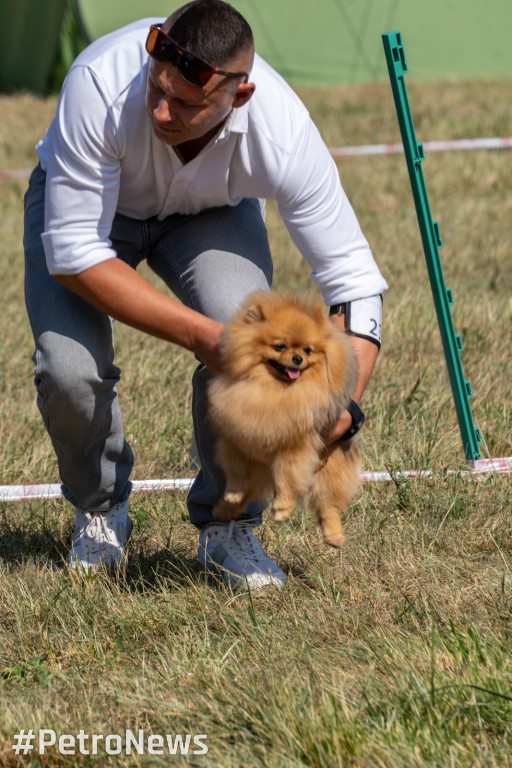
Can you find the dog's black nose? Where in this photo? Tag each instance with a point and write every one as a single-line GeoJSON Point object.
{"type": "Point", "coordinates": [296, 359]}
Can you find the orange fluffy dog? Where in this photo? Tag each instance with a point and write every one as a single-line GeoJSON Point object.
{"type": "Point", "coordinates": [288, 374]}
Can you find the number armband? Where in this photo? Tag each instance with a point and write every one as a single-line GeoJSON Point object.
{"type": "Point", "coordinates": [363, 317]}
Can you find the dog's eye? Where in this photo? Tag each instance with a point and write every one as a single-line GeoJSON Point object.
{"type": "Point", "coordinates": [307, 350]}
{"type": "Point", "coordinates": [280, 347]}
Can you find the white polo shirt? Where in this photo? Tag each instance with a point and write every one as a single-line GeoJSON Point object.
{"type": "Point", "coordinates": [102, 157]}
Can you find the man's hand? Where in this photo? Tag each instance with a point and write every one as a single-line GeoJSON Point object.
{"type": "Point", "coordinates": [208, 351]}
{"type": "Point", "coordinates": [118, 290]}
{"type": "Point", "coordinates": [366, 355]}
{"type": "Point", "coordinates": [338, 429]}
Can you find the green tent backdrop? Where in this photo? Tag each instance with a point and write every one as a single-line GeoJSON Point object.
{"type": "Point", "coordinates": [321, 42]}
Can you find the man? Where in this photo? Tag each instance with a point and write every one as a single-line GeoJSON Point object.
{"type": "Point", "coordinates": [167, 139]}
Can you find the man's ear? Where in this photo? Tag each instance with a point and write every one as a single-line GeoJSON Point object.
{"type": "Point", "coordinates": [243, 94]}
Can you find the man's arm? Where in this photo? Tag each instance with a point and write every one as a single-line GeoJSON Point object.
{"type": "Point", "coordinates": [366, 355]}
{"type": "Point", "coordinates": [118, 290]}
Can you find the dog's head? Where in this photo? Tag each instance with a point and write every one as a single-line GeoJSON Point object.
{"type": "Point", "coordinates": [287, 337]}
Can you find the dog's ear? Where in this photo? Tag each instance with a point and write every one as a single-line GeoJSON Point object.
{"type": "Point", "coordinates": [254, 314]}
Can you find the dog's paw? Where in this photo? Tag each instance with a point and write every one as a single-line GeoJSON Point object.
{"type": "Point", "coordinates": [281, 513]}
{"type": "Point", "coordinates": [233, 497]}
{"type": "Point", "coordinates": [335, 540]}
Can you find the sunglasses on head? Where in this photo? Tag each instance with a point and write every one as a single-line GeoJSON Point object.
{"type": "Point", "coordinates": [191, 68]}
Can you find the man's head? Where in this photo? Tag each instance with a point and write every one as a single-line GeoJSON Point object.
{"type": "Point", "coordinates": [210, 29]}
{"type": "Point", "coordinates": [201, 57]}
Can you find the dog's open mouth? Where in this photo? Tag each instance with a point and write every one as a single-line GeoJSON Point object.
{"type": "Point", "coordinates": [288, 373]}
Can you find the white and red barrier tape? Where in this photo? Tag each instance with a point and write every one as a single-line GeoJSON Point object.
{"type": "Point", "coordinates": [367, 149]}
{"type": "Point", "coordinates": [21, 173]}
{"type": "Point", "coordinates": [53, 490]}
{"type": "Point", "coordinates": [428, 146]}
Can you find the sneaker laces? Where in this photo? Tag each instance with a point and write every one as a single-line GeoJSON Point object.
{"type": "Point", "coordinates": [250, 544]}
{"type": "Point", "coordinates": [95, 530]}
{"type": "Point", "coordinates": [243, 541]}
{"type": "Point", "coordinates": [236, 551]}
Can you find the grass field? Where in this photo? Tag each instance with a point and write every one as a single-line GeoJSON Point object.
{"type": "Point", "coordinates": [394, 652]}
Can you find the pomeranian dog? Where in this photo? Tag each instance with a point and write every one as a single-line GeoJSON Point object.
{"type": "Point", "coordinates": [288, 373]}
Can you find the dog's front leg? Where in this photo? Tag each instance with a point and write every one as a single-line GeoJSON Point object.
{"type": "Point", "coordinates": [237, 473]}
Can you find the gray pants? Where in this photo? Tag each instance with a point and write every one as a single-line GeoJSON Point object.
{"type": "Point", "coordinates": [210, 261]}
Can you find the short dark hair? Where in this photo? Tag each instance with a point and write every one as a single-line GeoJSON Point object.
{"type": "Point", "coordinates": [210, 29]}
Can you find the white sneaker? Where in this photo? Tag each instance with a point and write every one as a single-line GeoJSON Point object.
{"type": "Point", "coordinates": [235, 552]}
{"type": "Point", "coordinates": [100, 538]}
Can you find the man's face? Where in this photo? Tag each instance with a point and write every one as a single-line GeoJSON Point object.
{"type": "Point", "coordinates": [181, 112]}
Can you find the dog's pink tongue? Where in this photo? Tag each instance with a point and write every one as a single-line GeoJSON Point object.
{"type": "Point", "coordinates": [293, 373]}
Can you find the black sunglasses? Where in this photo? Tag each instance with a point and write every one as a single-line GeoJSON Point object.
{"type": "Point", "coordinates": [191, 68]}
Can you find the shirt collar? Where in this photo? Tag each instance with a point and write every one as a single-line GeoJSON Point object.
{"type": "Point", "coordinates": [237, 122]}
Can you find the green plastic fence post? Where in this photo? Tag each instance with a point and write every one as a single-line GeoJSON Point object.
{"type": "Point", "coordinates": [430, 235]}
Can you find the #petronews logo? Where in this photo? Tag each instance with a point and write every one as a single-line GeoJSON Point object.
{"type": "Point", "coordinates": [112, 744]}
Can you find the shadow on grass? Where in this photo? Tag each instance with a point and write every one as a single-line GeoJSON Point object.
{"type": "Point", "coordinates": [24, 542]}
{"type": "Point", "coordinates": [174, 569]}
{"type": "Point", "coordinates": [17, 544]}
